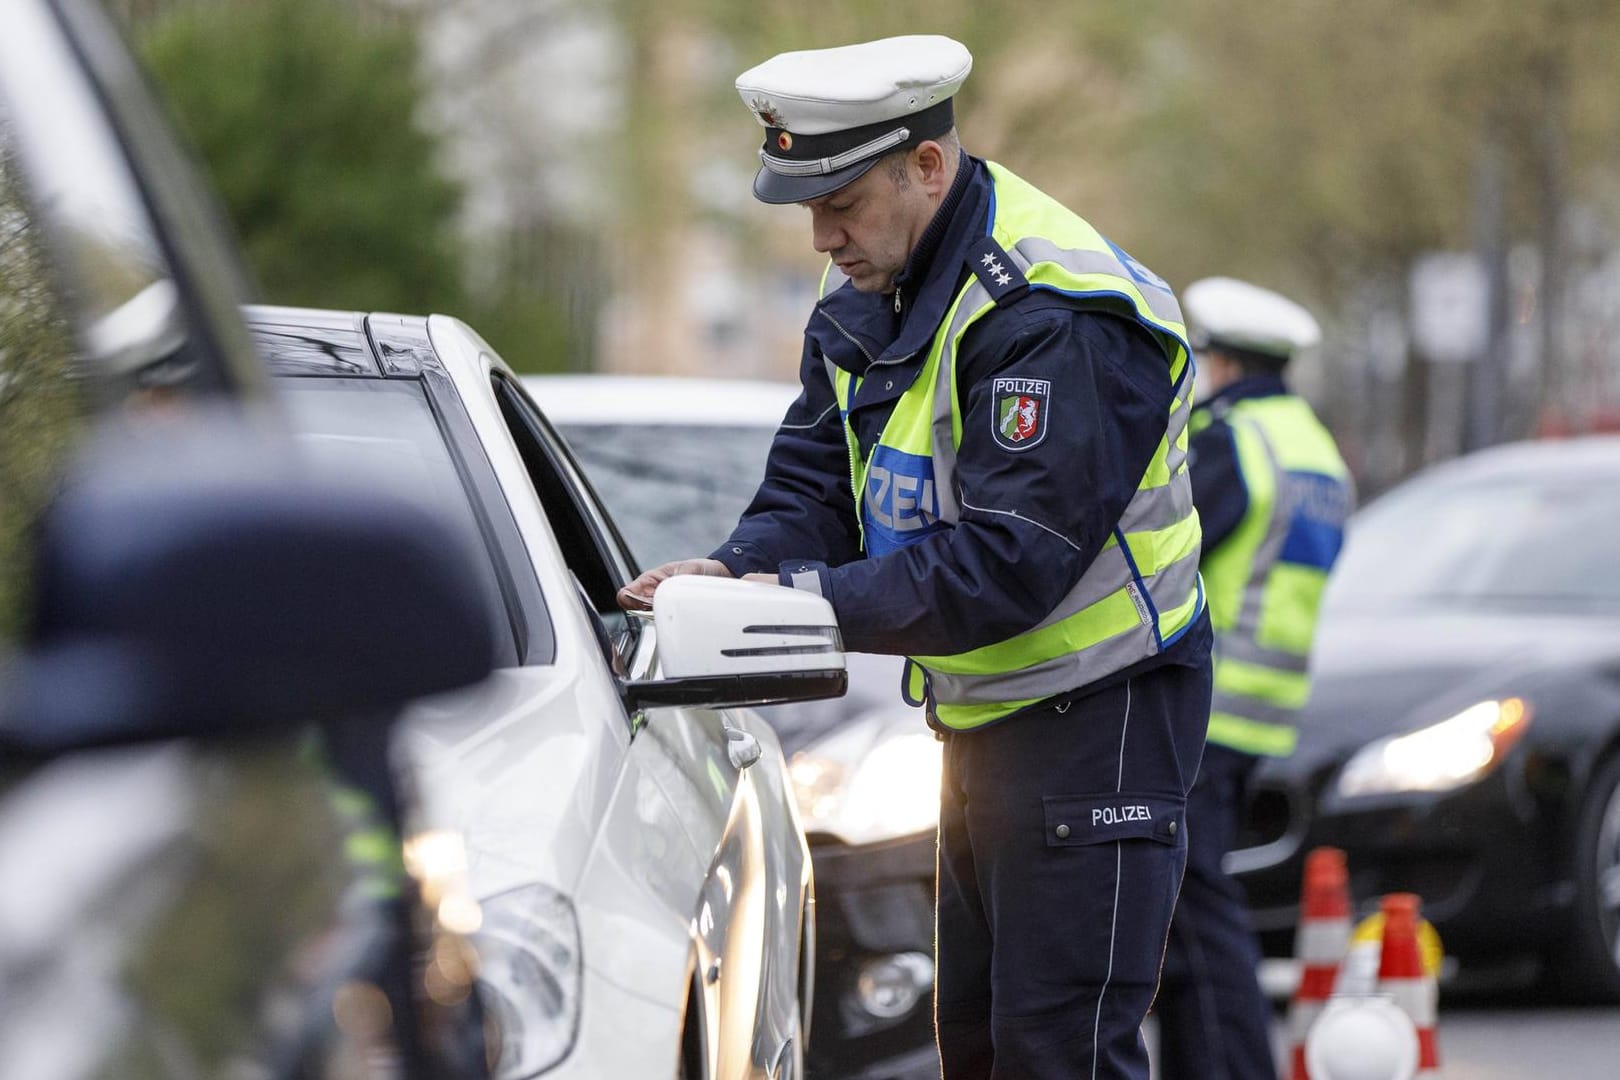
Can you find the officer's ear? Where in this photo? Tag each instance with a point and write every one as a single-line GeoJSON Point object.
{"type": "Point", "coordinates": [930, 161]}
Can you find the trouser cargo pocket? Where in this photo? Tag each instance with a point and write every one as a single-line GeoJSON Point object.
{"type": "Point", "coordinates": [1079, 820]}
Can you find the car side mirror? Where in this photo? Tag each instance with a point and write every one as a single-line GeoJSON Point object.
{"type": "Point", "coordinates": [725, 643]}
{"type": "Point", "coordinates": [193, 579]}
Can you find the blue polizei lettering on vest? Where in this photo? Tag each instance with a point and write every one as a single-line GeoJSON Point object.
{"type": "Point", "coordinates": [1316, 528]}
{"type": "Point", "coordinates": [900, 505]}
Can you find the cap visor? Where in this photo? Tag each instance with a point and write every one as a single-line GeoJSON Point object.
{"type": "Point", "coordinates": [770, 187]}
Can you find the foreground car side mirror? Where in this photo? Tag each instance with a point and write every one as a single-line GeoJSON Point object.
{"type": "Point", "coordinates": [726, 643]}
{"type": "Point", "coordinates": [194, 580]}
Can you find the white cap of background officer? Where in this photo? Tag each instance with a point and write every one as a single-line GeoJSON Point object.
{"type": "Point", "coordinates": [830, 114]}
{"type": "Point", "coordinates": [1227, 315]}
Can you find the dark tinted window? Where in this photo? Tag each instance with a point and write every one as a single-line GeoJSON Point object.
{"type": "Point", "coordinates": [1523, 541]}
{"type": "Point", "coordinates": [675, 490]}
{"type": "Point", "coordinates": [385, 429]}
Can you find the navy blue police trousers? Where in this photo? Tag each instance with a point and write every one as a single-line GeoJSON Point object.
{"type": "Point", "coordinates": [1214, 1020]}
{"type": "Point", "coordinates": [1062, 842]}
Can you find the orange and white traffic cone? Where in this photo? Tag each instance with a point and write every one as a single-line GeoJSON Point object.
{"type": "Point", "coordinates": [1403, 976]}
{"type": "Point", "coordinates": [1319, 945]}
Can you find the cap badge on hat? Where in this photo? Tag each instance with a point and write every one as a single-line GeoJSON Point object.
{"type": "Point", "coordinates": [785, 141]}
{"type": "Point", "coordinates": [767, 113]}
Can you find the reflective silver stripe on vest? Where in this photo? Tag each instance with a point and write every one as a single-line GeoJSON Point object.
{"type": "Point", "coordinates": [1253, 709]}
{"type": "Point", "coordinates": [1160, 300]}
{"type": "Point", "coordinates": [1245, 650]}
{"type": "Point", "coordinates": [1238, 643]}
{"type": "Point", "coordinates": [1071, 669]}
{"type": "Point", "coordinates": [1247, 624]}
{"type": "Point", "coordinates": [1170, 504]}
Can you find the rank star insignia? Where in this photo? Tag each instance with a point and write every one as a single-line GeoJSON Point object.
{"type": "Point", "coordinates": [1003, 278]}
{"type": "Point", "coordinates": [988, 260]}
{"type": "Point", "coordinates": [996, 267]}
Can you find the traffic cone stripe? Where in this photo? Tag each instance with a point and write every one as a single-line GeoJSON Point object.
{"type": "Point", "coordinates": [1319, 945]}
{"type": "Point", "coordinates": [1316, 983]}
{"type": "Point", "coordinates": [1402, 975]}
{"type": "Point", "coordinates": [1413, 998]}
{"type": "Point", "coordinates": [1428, 1048]}
{"type": "Point", "coordinates": [1323, 938]}
{"type": "Point", "coordinates": [1299, 1023]}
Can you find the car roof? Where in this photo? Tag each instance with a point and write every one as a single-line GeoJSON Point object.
{"type": "Point", "coordinates": [654, 399]}
{"type": "Point", "coordinates": [1536, 458]}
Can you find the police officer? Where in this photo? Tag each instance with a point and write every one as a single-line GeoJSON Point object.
{"type": "Point", "coordinates": [984, 471]}
{"type": "Point", "coordinates": [1272, 493]}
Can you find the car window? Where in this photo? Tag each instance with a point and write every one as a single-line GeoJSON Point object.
{"type": "Point", "coordinates": [1532, 541]}
{"type": "Point", "coordinates": [589, 539]}
{"type": "Point", "coordinates": [386, 428]}
{"type": "Point", "coordinates": [676, 490]}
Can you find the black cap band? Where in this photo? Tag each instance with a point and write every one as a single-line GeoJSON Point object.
{"type": "Point", "coordinates": [796, 168]}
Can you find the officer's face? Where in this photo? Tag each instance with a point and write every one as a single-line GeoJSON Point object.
{"type": "Point", "coordinates": [870, 226]}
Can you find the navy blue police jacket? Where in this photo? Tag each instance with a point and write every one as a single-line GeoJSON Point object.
{"type": "Point", "coordinates": [1031, 521]}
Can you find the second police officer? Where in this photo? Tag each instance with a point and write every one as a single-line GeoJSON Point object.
{"type": "Point", "coordinates": [985, 471]}
{"type": "Point", "coordinates": [1272, 494]}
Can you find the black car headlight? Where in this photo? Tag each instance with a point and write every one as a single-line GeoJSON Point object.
{"type": "Point", "coordinates": [1440, 757]}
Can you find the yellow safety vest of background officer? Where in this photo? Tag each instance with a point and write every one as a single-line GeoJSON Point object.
{"type": "Point", "coordinates": [1273, 495]}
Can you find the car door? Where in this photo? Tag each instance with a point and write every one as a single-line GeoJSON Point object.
{"type": "Point", "coordinates": [735, 810]}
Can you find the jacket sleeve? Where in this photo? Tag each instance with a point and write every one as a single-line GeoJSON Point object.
{"type": "Point", "coordinates": [1219, 493]}
{"type": "Point", "coordinates": [804, 503]}
{"type": "Point", "coordinates": [1032, 519]}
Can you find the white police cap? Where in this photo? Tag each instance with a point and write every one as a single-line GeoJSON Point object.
{"type": "Point", "coordinates": [829, 114]}
{"type": "Point", "coordinates": [1225, 312]}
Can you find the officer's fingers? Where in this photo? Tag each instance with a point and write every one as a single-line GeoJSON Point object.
{"type": "Point", "coordinates": [635, 596]}
{"type": "Point", "coordinates": [638, 595]}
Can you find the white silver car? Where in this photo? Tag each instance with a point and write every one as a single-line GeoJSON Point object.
{"type": "Point", "coordinates": [625, 853]}
{"type": "Point", "coordinates": [676, 460]}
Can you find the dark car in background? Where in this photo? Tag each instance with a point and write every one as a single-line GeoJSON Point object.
{"type": "Point", "coordinates": [676, 461]}
{"type": "Point", "coordinates": [1462, 740]}
{"type": "Point", "coordinates": [197, 878]}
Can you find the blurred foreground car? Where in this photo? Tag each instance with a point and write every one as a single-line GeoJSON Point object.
{"type": "Point", "coordinates": [1462, 740]}
{"type": "Point", "coordinates": [624, 849]}
{"type": "Point", "coordinates": [676, 461]}
{"type": "Point", "coordinates": [195, 878]}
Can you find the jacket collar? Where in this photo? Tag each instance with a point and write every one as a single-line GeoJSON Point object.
{"type": "Point", "coordinates": [855, 329]}
{"type": "Point", "coordinates": [1250, 386]}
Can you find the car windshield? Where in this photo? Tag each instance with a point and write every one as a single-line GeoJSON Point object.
{"type": "Point", "coordinates": [1530, 542]}
{"type": "Point", "coordinates": [385, 428]}
{"type": "Point", "coordinates": [675, 490]}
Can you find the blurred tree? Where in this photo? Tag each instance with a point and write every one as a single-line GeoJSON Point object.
{"type": "Point", "coordinates": [41, 410]}
{"type": "Point", "coordinates": [307, 114]}
{"type": "Point", "coordinates": [518, 90]}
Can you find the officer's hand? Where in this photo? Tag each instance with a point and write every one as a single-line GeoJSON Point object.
{"type": "Point", "coordinates": [638, 595]}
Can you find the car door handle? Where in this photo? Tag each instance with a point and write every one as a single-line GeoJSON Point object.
{"type": "Point", "coordinates": [741, 747]}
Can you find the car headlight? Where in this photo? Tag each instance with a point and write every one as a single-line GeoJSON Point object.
{"type": "Point", "coordinates": [529, 974]}
{"type": "Point", "coordinates": [1440, 757]}
{"type": "Point", "coordinates": [869, 781]}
